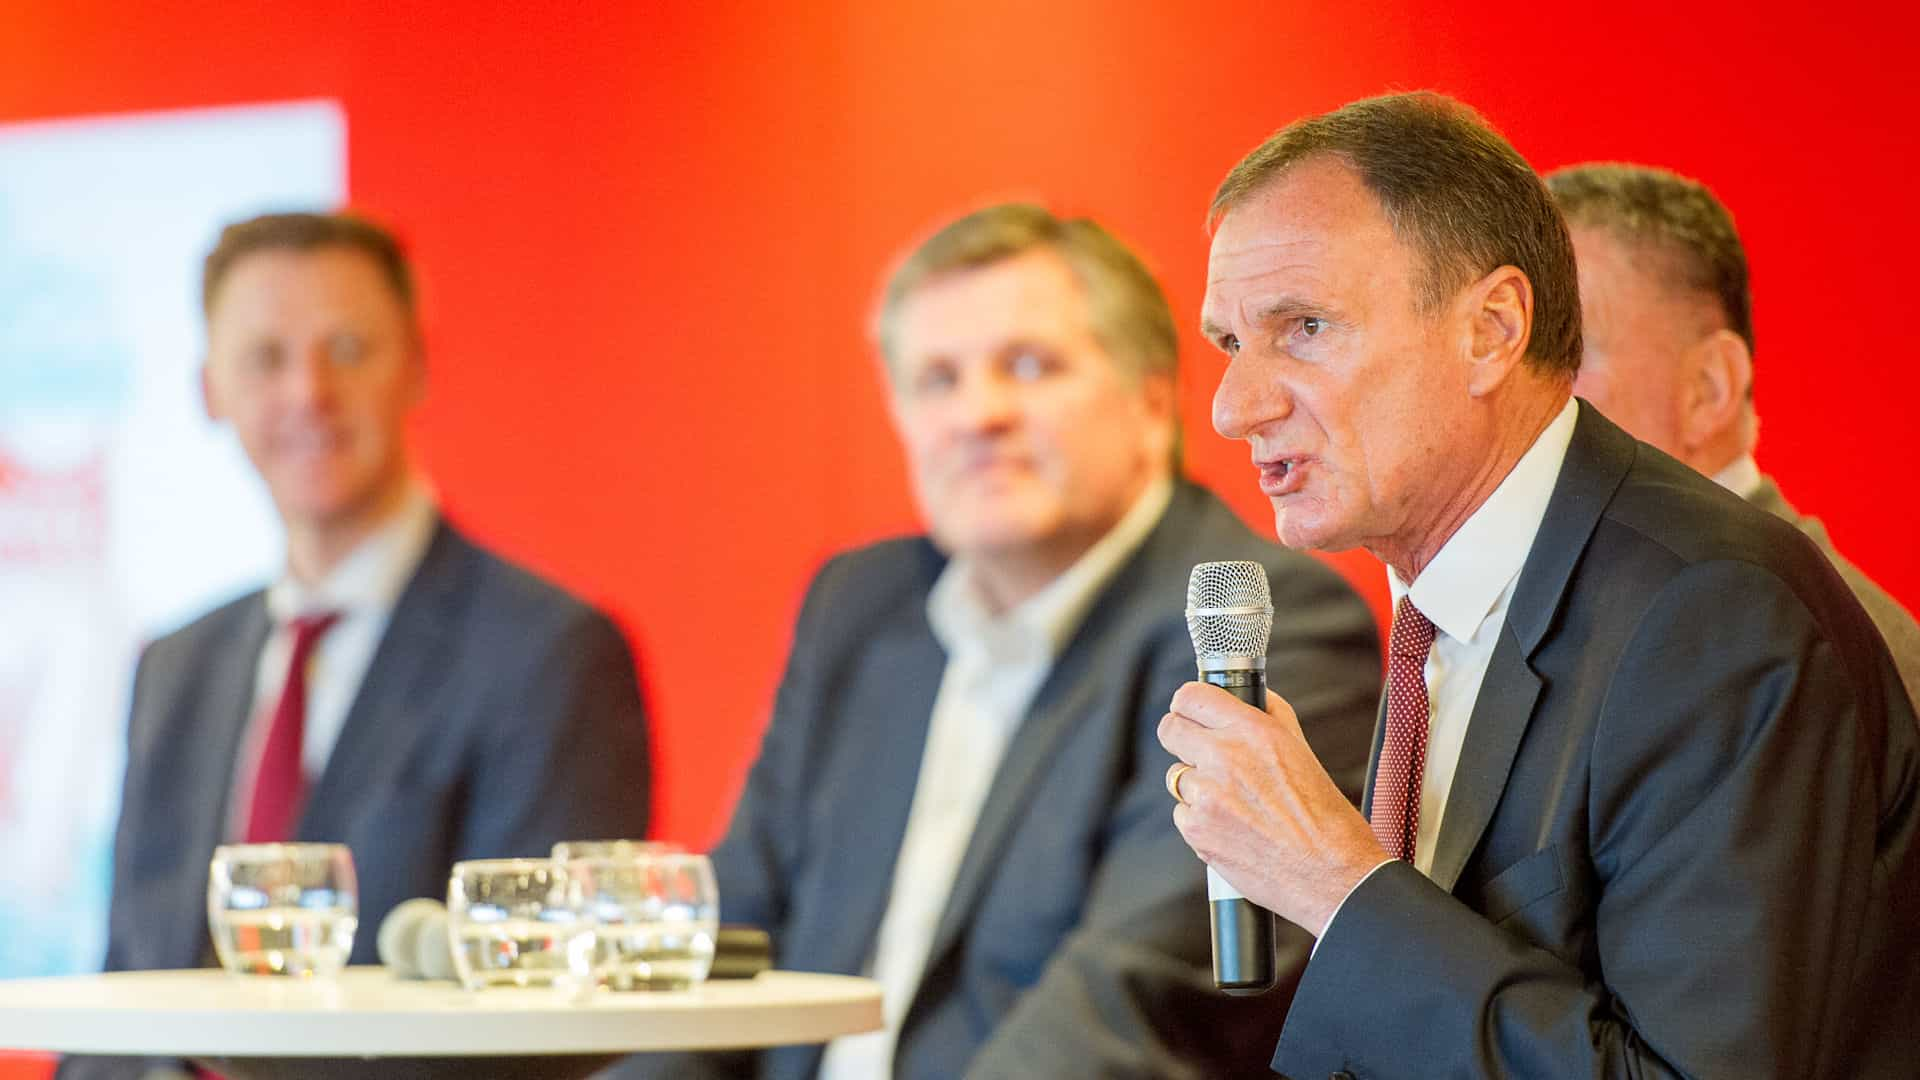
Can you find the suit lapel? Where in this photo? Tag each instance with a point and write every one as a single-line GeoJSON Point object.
{"type": "Point", "coordinates": [408, 669]}
{"type": "Point", "coordinates": [1500, 716]}
{"type": "Point", "coordinates": [1597, 460]}
{"type": "Point", "coordinates": [860, 843]}
{"type": "Point", "coordinates": [215, 721]}
{"type": "Point", "coordinates": [1029, 755]}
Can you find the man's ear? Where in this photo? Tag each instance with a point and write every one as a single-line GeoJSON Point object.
{"type": "Point", "coordinates": [1714, 384]}
{"type": "Point", "coordinates": [1161, 394]}
{"type": "Point", "coordinates": [416, 368]}
{"type": "Point", "coordinates": [209, 397]}
{"type": "Point", "coordinates": [1499, 310]}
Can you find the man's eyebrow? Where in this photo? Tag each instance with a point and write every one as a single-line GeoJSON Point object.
{"type": "Point", "coordinates": [1273, 309]}
{"type": "Point", "coordinates": [1264, 313]}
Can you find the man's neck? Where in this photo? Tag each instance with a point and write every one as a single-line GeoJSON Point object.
{"type": "Point", "coordinates": [1511, 444]}
{"type": "Point", "coordinates": [314, 549]}
{"type": "Point", "coordinates": [1007, 579]}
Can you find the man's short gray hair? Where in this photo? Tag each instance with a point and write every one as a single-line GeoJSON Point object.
{"type": "Point", "coordinates": [1669, 216]}
{"type": "Point", "coordinates": [1130, 316]}
{"type": "Point", "coordinates": [1454, 191]}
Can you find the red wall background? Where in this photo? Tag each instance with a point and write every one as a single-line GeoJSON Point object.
{"type": "Point", "coordinates": [650, 234]}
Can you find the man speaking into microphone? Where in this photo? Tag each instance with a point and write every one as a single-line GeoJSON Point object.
{"type": "Point", "coordinates": [960, 793]}
{"type": "Point", "coordinates": [1645, 794]}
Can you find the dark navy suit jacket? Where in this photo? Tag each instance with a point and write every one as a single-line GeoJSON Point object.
{"type": "Point", "coordinates": [1682, 837]}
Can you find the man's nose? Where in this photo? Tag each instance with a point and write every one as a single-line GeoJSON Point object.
{"type": "Point", "coordinates": [987, 401]}
{"type": "Point", "coordinates": [1249, 396]}
{"type": "Point", "coordinates": [309, 380]}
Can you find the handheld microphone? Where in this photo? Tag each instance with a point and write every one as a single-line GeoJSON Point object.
{"type": "Point", "coordinates": [1230, 618]}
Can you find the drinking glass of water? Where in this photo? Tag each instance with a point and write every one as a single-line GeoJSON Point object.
{"type": "Point", "coordinates": [655, 914]}
{"type": "Point", "coordinates": [518, 922]}
{"type": "Point", "coordinates": [282, 909]}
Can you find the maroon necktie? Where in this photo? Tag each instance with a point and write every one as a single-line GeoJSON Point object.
{"type": "Point", "coordinates": [279, 784]}
{"type": "Point", "coordinates": [1403, 752]}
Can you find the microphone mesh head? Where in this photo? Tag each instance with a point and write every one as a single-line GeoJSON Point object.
{"type": "Point", "coordinates": [1229, 613]}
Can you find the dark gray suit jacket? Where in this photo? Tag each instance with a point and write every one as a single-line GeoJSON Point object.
{"type": "Point", "coordinates": [1682, 837]}
{"type": "Point", "coordinates": [498, 715]}
{"type": "Point", "coordinates": [1075, 941]}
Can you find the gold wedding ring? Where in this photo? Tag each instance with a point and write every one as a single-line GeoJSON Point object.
{"type": "Point", "coordinates": [1179, 769]}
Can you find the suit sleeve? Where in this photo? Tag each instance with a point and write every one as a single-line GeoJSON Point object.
{"type": "Point", "coordinates": [755, 862]}
{"type": "Point", "coordinates": [568, 754]}
{"type": "Point", "coordinates": [1130, 993]}
{"type": "Point", "coordinates": [1733, 818]}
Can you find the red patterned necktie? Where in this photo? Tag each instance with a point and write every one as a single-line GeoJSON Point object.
{"type": "Point", "coordinates": [1403, 752]}
{"type": "Point", "coordinates": [279, 784]}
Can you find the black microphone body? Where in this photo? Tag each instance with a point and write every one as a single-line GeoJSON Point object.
{"type": "Point", "coordinates": [1230, 615]}
{"type": "Point", "coordinates": [1243, 931]}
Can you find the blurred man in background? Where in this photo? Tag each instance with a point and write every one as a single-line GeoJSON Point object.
{"type": "Point", "coordinates": [1668, 317]}
{"type": "Point", "coordinates": [956, 794]}
{"type": "Point", "coordinates": [399, 689]}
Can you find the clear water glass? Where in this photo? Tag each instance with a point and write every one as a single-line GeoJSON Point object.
{"type": "Point", "coordinates": [520, 923]}
{"type": "Point", "coordinates": [282, 909]}
{"type": "Point", "coordinates": [655, 916]}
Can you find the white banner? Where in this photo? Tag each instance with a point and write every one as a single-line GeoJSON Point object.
{"type": "Point", "coordinates": [123, 511]}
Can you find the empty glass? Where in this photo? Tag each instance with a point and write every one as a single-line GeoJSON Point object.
{"type": "Point", "coordinates": [518, 922]}
{"type": "Point", "coordinates": [282, 909]}
{"type": "Point", "coordinates": [655, 916]}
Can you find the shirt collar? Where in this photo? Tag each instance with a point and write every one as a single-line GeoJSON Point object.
{"type": "Point", "coordinates": [1473, 569]}
{"type": "Point", "coordinates": [372, 575]}
{"type": "Point", "coordinates": [1742, 477]}
{"type": "Point", "coordinates": [1038, 627]}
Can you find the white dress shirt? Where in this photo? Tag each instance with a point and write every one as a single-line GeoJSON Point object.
{"type": "Point", "coordinates": [995, 665]}
{"type": "Point", "coordinates": [1465, 591]}
{"type": "Point", "coordinates": [363, 588]}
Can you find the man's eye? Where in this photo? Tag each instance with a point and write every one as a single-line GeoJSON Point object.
{"type": "Point", "coordinates": [1029, 364]}
{"type": "Point", "coordinates": [263, 358]}
{"type": "Point", "coordinates": [932, 380]}
{"type": "Point", "coordinates": [1311, 326]}
{"type": "Point", "coordinates": [1230, 344]}
{"type": "Point", "coordinates": [346, 348]}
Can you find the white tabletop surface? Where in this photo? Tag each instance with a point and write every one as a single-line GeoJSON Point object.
{"type": "Point", "coordinates": [367, 1013]}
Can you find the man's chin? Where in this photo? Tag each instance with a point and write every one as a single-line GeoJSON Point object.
{"type": "Point", "coordinates": [323, 506]}
{"type": "Point", "coordinates": [1303, 531]}
{"type": "Point", "coordinates": [998, 538]}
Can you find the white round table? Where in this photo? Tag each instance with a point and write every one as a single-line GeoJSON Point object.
{"type": "Point", "coordinates": [263, 1027]}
